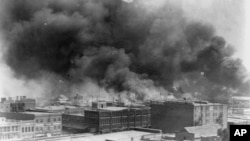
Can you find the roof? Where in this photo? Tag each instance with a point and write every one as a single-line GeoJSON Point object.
{"type": "Point", "coordinates": [115, 108]}
{"type": "Point", "coordinates": [241, 98]}
{"type": "Point", "coordinates": [41, 113]}
{"type": "Point", "coordinates": [57, 107]}
{"type": "Point", "coordinates": [203, 131]}
{"type": "Point", "coordinates": [118, 136]}
{"type": "Point", "coordinates": [191, 102]}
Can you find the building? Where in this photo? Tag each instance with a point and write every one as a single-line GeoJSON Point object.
{"type": "Point", "coordinates": [16, 129]}
{"type": "Point", "coordinates": [172, 116]}
{"type": "Point", "coordinates": [41, 123]}
{"type": "Point", "coordinates": [74, 123]}
{"type": "Point", "coordinates": [46, 124]}
{"type": "Point", "coordinates": [17, 105]}
{"type": "Point", "coordinates": [240, 102]}
{"type": "Point", "coordinates": [102, 118]}
{"type": "Point", "coordinates": [199, 133]}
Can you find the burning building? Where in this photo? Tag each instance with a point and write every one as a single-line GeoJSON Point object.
{"type": "Point", "coordinates": [172, 116]}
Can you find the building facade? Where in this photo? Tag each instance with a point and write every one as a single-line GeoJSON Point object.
{"type": "Point", "coordinates": [16, 129]}
{"type": "Point", "coordinates": [172, 116]}
{"type": "Point", "coordinates": [46, 124]}
{"type": "Point", "coordinates": [40, 123]}
{"type": "Point", "coordinates": [111, 119]}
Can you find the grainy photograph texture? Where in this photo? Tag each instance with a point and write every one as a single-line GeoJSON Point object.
{"type": "Point", "coordinates": [123, 70]}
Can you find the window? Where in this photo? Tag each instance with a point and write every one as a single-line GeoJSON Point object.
{"type": "Point", "coordinates": [41, 120]}
{"type": "Point", "coordinates": [48, 119]}
{"type": "Point", "coordinates": [59, 119]}
{"type": "Point", "coordinates": [23, 129]}
{"type": "Point", "coordinates": [37, 120]}
{"type": "Point", "coordinates": [54, 119]}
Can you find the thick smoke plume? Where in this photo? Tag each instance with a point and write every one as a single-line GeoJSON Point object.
{"type": "Point", "coordinates": [118, 48]}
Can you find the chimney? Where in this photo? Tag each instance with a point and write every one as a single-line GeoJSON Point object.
{"type": "Point", "coordinates": [24, 97]}
{"type": "Point", "coordinates": [17, 98]}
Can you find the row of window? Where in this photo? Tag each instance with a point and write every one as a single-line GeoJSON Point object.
{"type": "Point", "coordinates": [27, 129]}
{"type": "Point", "coordinates": [8, 129]}
{"type": "Point", "coordinates": [56, 127]}
{"type": "Point", "coordinates": [124, 120]}
{"type": "Point", "coordinates": [49, 120]}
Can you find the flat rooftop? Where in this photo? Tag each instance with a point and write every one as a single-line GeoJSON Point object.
{"type": "Point", "coordinates": [41, 113]}
{"type": "Point", "coordinates": [117, 136]}
{"type": "Point", "coordinates": [58, 107]}
{"type": "Point", "coordinates": [193, 102]}
{"type": "Point", "coordinates": [241, 98]}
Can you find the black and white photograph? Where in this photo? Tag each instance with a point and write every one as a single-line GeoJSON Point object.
{"type": "Point", "coordinates": [124, 70]}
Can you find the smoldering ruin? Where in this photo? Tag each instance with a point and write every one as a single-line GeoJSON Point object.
{"type": "Point", "coordinates": [123, 47]}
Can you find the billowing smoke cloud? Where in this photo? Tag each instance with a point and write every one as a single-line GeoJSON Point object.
{"type": "Point", "coordinates": [119, 48]}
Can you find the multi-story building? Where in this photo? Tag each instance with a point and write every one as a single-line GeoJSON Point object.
{"type": "Point", "coordinates": [16, 129]}
{"type": "Point", "coordinates": [17, 105]}
{"type": "Point", "coordinates": [103, 119]}
{"type": "Point", "coordinates": [46, 124]}
{"type": "Point", "coordinates": [41, 123]}
{"type": "Point", "coordinates": [172, 116]}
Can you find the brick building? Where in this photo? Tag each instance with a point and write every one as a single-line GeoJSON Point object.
{"type": "Point", "coordinates": [172, 116]}
{"type": "Point", "coordinates": [102, 118]}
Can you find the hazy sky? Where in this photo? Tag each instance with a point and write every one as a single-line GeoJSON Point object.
{"type": "Point", "coordinates": [227, 16]}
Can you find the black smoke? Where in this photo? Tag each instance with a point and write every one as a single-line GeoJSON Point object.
{"type": "Point", "coordinates": [120, 46]}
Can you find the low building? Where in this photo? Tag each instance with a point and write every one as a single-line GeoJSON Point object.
{"type": "Point", "coordinates": [173, 115]}
{"type": "Point", "coordinates": [199, 133]}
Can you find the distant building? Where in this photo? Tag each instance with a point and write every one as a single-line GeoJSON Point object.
{"type": "Point", "coordinates": [17, 105]}
{"type": "Point", "coordinates": [199, 133]}
{"type": "Point", "coordinates": [240, 102]}
{"type": "Point", "coordinates": [102, 118]}
{"type": "Point", "coordinates": [172, 116]}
